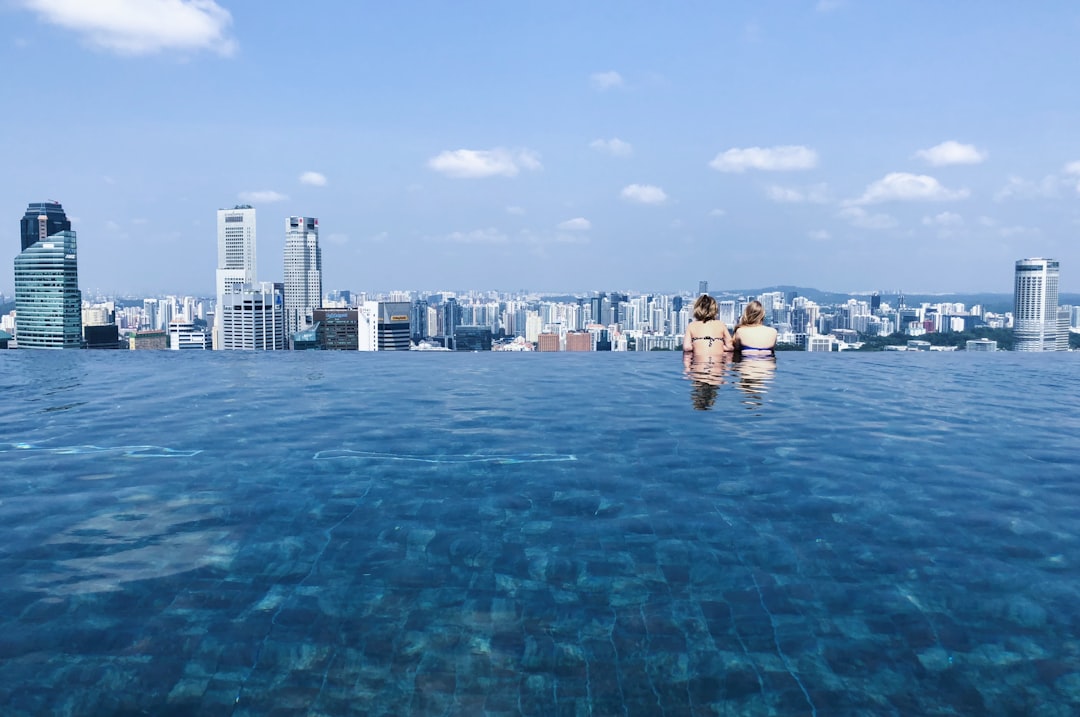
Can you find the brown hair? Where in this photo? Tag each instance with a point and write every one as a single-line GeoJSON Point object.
{"type": "Point", "coordinates": [705, 308]}
{"type": "Point", "coordinates": [753, 314]}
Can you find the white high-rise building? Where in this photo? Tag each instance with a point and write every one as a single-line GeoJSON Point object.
{"type": "Point", "coordinates": [303, 272]}
{"type": "Point", "coordinates": [1035, 317]}
{"type": "Point", "coordinates": [252, 318]}
{"type": "Point", "coordinates": [236, 258]}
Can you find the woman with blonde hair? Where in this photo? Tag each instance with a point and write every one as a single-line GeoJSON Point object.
{"type": "Point", "coordinates": [751, 336]}
{"type": "Point", "coordinates": [706, 336]}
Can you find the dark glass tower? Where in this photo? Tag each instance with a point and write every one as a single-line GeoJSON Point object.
{"type": "Point", "coordinates": [31, 226]}
{"type": "Point", "coordinates": [48, 303]}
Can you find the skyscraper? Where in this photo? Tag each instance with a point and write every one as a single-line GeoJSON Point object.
{"type": "Point", "coordinates": [303, 272]}
{"type": "Point", "coordinates": [236, 259]}
{"type": "Point", "coordinates": [48, 303]}
{"type": "Point", "coordinates": [1035, 316]}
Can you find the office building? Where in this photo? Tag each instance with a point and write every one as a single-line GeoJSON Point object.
{"type": "Point", "coordinates": [1035, 313]}
{"type": "Point", "coordinates": [472, 338]}
{"type": "Point", "coordinates": [547, 342]}
{"type": "Point", "coordinates": [980, 345]}
{"type": "Point", "coordinates": [367, 326]}
{"type": "Point", "coordinates": [303, 272]}
{"type": "Point", "coordinates": [337, 329]}
{"type": "Point", "coordinates": [184, 336]}
{"type": "Point", "coordinates": [393, 326]}
{"type": "Point", "coordinates": [48, 303]}
{"type": "Point", "coordinates": [252, 318]}
{"type": "Point", "coordinates": [236, 262]}
{"type": "Point", "coordinates": [579, 341]}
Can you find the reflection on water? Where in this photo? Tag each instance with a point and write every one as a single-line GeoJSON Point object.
{"type": "Point", "coordinates": [706, 376]}
{"type": "Point", "coordinates": [751, 375]}
{"type": "Point", "coordinates": [755, 375]}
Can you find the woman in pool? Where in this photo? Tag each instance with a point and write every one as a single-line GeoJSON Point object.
{"type": "Point", "coordinates": [705, 336]}
{"type": "Point", "coordinates": [752, 337]}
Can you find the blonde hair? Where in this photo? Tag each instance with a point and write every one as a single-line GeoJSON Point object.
{"type": "Point", "coordinates": [753, 314]}
{"type": "Point", "coordinates": [705, 308]}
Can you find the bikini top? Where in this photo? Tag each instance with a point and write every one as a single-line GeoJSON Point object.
{"type": "Point", "coordinates": [710, 339]}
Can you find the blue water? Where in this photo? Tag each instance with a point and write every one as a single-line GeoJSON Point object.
{"type": "Point", "coordinates": [508, 534]}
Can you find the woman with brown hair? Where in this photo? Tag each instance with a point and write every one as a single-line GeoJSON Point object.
{"type": "Point", "coordinates": [706, 336]}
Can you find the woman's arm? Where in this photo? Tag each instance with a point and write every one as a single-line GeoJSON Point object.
{"type": "Point", "coordinates": [734, 341]}
{"type": "Point", "coordinates": [687, 340]}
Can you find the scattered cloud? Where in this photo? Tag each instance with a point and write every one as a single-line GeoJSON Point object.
{"type": "Point", "coordinates": [644, 193]}
{"type": "Point", "coordinates": [515, 210]}
{"type": "Point", "coordinates": [140, 27]}
{"type": "Point", "coordinates": [614, 146]}
{"type": "Point", "coordinates": [718, 212]}
{"type": "Point", "coordinates": [906, 187]}
{"type": "Point", "coordinates": [477, 236]}
{"type": "Point", "coordinates": [577, 224]}
{"type": "Point", "coordinates": [944, 219]}
{"type": "Point", "coordinates": [1019, 188]}
{"type": "Point", "coordinates": [783, 158]}
{"type": "Point", "coordinates": [20, 43]}
{"type": "Point", "coordinates": [819, 235]}
{"type": "Point", "coordinates": [1072, 168]}
{"type": "Point", "coordinates": [339, 238]}
{"type": "Point", "coordinates": [107, 179]}
{"type": "Point", "coordinates": [603, 81]}
{"type": "Point", "coordinates": [814, 194]}
{"type": "Point", "coordinates": [952, 152]}
{"type": "Point", "coordinates": [315, 179]}
{"type": "Point", "coordinates": [264, 196]}
{"type": "Point", "coordinates": [829, 5]}
{"type": "Point", "coordinates": [859, 217]}
{"type": "Point", "coordinates": [480, 163]}
{"type": "Point", "coordinates": [1009, 232]}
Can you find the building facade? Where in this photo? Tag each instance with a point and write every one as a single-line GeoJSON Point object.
{"type": "Point", "coordinates": [48, 303]}
{"type": "Point", "coordinates": [303, 272]}
{"type": "Point", "coordinates": [1035, 313]}
{"type": "Point", "coordinates": [236, 261]}
{"type": "Point", "coordinates": [253, 318]}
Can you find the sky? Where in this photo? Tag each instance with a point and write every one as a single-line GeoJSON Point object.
{"type": "Point", "coordinates": [844, 145]}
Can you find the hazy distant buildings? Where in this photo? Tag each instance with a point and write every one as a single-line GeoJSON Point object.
{"type": "Point", "coordinates": [981, 345]}
{"type": "Point", "coordinates": [1035, 315]}
{"type": "Point", "coordinates": [236, 263]}
{"type": "Point", "coordinates": [48, 303]}
{"type": "Point", "coordinates": [472, 338]}
{"type": "Point", "coordinates": [303, 272]}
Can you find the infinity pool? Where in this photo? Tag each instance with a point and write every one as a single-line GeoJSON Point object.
{"type": "Point", "coordinates": [512, 534]}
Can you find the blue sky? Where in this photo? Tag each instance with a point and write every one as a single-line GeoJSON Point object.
{"type": "Point", "coordinates": [846, 145]}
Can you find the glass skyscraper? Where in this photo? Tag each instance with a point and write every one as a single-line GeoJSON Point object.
{"type": "Point", "coordinates": [48, 303]}
{"type": "Point", "coordinates": [1035, 316]}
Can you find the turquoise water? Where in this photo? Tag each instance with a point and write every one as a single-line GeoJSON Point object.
{"type": "Point", "coordinates": [507, 534]}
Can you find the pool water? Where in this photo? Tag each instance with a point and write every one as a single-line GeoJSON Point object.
{"type": "Point", "coordinates": [546, 534]}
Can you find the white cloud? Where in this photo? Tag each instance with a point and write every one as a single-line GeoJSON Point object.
{"type": "Point", "coordinates": [944, 219]}
{"type": "Point", "coordinates": [859, 217]}
{"type": "Point", "coordinates": [477, 236]}
{"type": "Point", "coordinates": [717, 212]}
{"type": "Point", "coordinates": [518, 211]}
{"type": "Point", "coordinates": [1020, 188]}
{"type": "Point", "coordinates": [264, 196]}
{"type": "Point", "coordinates": [819, 235]}
{"type": "Point", "coordinates": [644, 193]}
{"type": "Point", "coordinates": [952, 152]}
{"type": "Point", "coordinates": [338, 238]}
{"type": "Point", "coordinates": [139, 27]}
{"type": "Point", "coordinates": [904, 186]}
{"type": "Point", "coordinates": [577, 224]}
{"type": "Point", "coordinates": [480, 163]}
{"type": "Point", "coordinates": [315, 179]}
{"type": "Point", "coordinates": [784, 158]}
{"type": "Point", "coordinates": [606, 80]}
{"type": "Point", "coordinates": [1008, 232]}
{"type": "Point", "coordinates": [814, 194]}
{"type": "Point", "coordinates": [828, 5]}
{"type": "Point", "coordinates": [1072, 168]}
{"type": "Point", "coordinates": [614, 146]}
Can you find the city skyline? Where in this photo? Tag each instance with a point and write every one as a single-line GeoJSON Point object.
{"type": "Point", "coordinates": [845, 145]}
